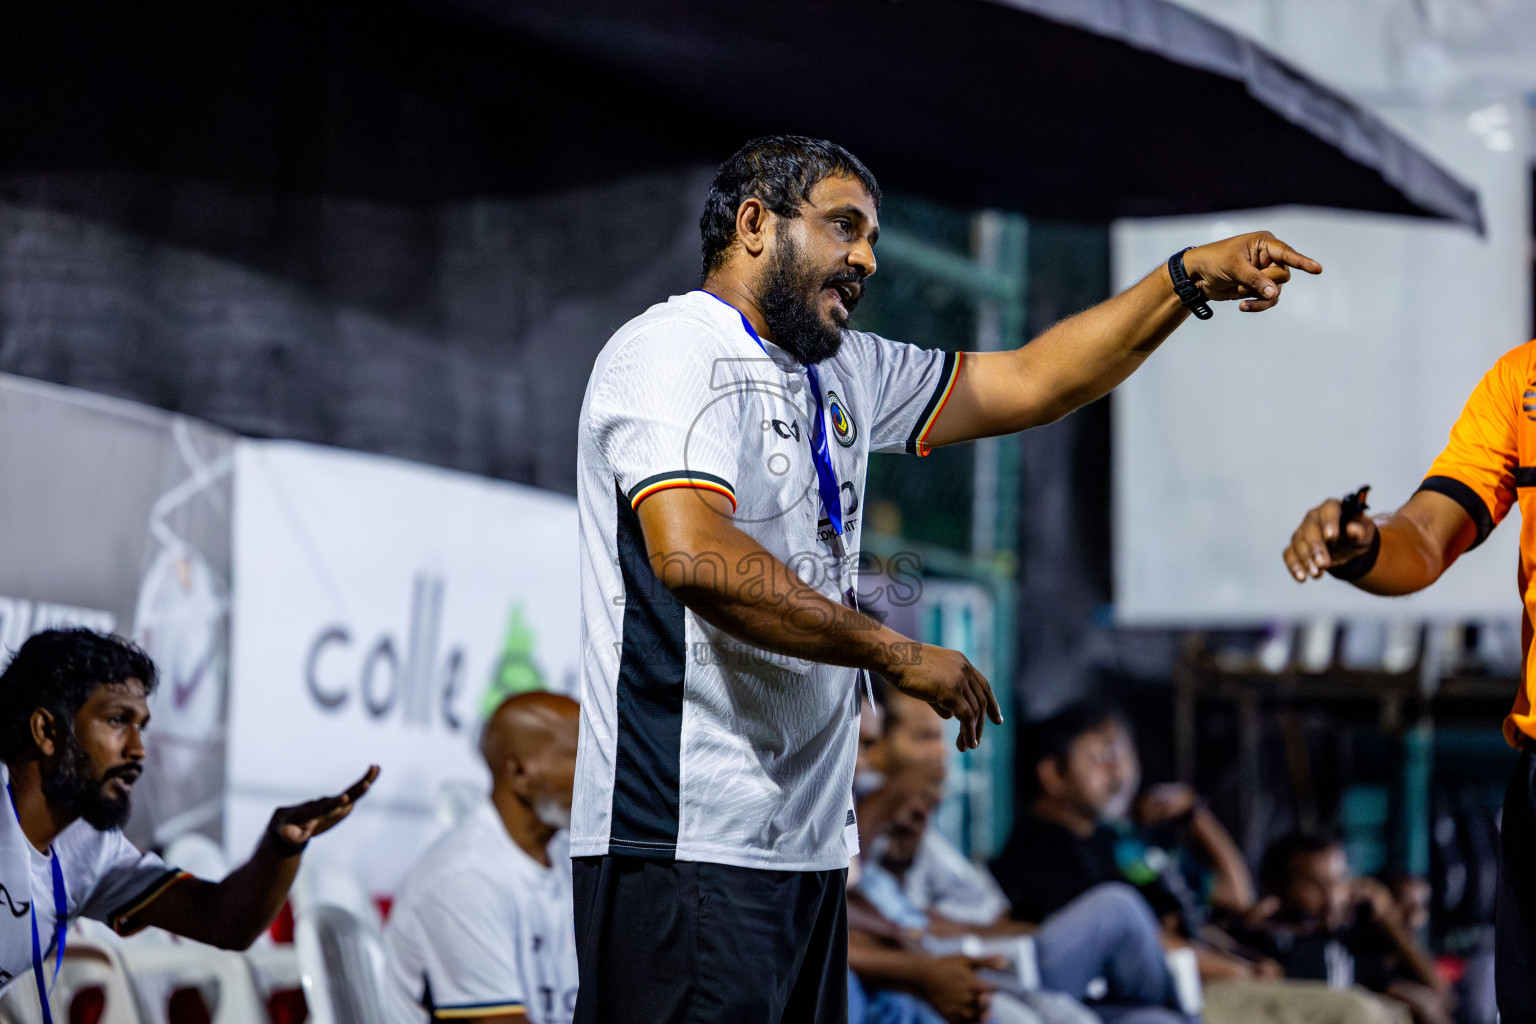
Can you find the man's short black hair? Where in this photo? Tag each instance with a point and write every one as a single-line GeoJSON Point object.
{"type": "Point", "coordinates": [58, 669]}
{"type": "Point", "coordinates": [780, 170]}
{"type": "Point", "coordinates": [1278, 861]}
{"type": "Point", "coordinates": [1053, 737]}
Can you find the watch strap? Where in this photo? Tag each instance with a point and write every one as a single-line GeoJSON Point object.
{"type": "Point", "coordinates": [1361, 564]}
{"type": "Point", "coordinates": [1192, 298]}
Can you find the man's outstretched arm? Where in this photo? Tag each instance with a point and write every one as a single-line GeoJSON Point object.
{"type": "Point", "coordinates": [1086, 356]}
{"type": "Point", "coordinates": [733, 583]}
{"type": "Point", "coordinates": [231, 914]}
{"type": "Point", "coordinates": [1418, 542]}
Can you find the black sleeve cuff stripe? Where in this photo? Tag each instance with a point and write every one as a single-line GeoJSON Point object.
{"type": "Point", "coordinates": [1467, 498]}
{"type": "Point", "coordinates": [122, 917]}
{"type": "Point", "coordinates": [684, 478]}
{"type": "Point", "coordinates": [940, 391]}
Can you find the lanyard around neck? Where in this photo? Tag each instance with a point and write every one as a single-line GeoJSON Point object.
{"type": "Point", "coordinates": [60, 917]}
{"type": "Point", "coordinates": [821, 452]}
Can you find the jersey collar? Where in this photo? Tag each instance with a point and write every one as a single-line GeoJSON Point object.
{"type": "Point", "coordinates": [729, 318]}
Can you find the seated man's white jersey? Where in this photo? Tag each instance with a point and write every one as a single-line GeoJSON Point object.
{"type": "Point", "coordinates": [483, 928]}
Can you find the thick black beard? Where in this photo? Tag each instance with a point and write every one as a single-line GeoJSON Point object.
{"type": "Point", "coordinates": [788, 303]}
{"type": "Point", "coordinates": [74, 787]}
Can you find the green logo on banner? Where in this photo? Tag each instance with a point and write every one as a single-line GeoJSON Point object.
{"type": "Point", "coordinates": [516, 671]}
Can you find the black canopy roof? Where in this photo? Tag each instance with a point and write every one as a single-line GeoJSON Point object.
{"type": "Point", "coordinates": [1071, 109]}
{"type": "Point", "coordinates": [1079, 109]}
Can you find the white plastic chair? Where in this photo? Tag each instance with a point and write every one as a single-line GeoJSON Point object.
{"type": "Point", "coordinates": [276, 975]}
{"type": "Point", "coordinates": [198, 855]}
{"type": "Point", "coordinates": [92, 971]}
{"type": "Point", "coordinates": [455, 799]}
{"type": "Point", "coordinates": [221, 979]}
{"type": "Point", "coordinates": [337, 932]}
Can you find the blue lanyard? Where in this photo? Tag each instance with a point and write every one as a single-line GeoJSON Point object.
{"type": "Point", "coordinates": [60, 919]}
{"type": "Point", "coordinates": [821, 453]}
{"type": "Point", "coordinates": [826, 477]}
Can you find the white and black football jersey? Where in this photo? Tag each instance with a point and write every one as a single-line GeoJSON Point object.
{"type": "Point", "coordinates": [695, 746]}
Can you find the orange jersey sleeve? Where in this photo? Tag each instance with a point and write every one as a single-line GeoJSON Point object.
{"type": "Point", "coordinates": [1480, 466]}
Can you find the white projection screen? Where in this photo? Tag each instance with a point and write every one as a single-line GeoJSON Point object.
{"type": "Point", "coordinates": [1239, 424]}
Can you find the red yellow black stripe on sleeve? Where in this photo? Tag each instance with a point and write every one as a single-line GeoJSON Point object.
{"type": "Point", "coordinates": [468, 1011]}
{"type": "Point", "coordinates": [666, 481]}
{"type": "Point", "coordinates": [122, 921]}
{"type": "Point", "coordinates": [917, 442]}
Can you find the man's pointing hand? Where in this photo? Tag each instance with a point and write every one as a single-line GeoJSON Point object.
{"type": "Point", "coordinates": [1252, 267]}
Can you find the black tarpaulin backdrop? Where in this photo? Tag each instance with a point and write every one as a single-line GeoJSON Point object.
{"type": "Point", "coordinates": [389, 228]}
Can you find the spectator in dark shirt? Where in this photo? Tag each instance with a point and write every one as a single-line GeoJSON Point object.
{"type": "Point", "coordinates": [1321, 923]}
{"type": "Point", "coordinates": [1075, 769]}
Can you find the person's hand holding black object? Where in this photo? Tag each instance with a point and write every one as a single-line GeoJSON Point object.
{"type": "Point", "coordinates": [292, 828]}
{"type": "Point", "coordinates": [1330, 537]}
{"type": "Point", "coordinates": [951, 986]}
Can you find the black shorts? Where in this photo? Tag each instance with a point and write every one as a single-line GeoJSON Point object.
{"type": "Point", "coordinates": [1515, 913]}
{"type": "Point", "coordinates": [680, 942]}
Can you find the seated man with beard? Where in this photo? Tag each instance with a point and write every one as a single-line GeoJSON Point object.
{"type": "Point", "coordinates": [73, 707]}
{"type": "Point", "coordinates": [484, 928]}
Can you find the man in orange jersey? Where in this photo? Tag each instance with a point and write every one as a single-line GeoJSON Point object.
{"type": "Point", "coordinates": [1489, 464]}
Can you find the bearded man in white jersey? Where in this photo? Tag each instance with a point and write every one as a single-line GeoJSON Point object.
{"type": "Point", "coordinates": [722, 451]}
{"type": "Point", "coordinates": [481, 930]}
{"type": "Point", "coordinates": [73, 708]}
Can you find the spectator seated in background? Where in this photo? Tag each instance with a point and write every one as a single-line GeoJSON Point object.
{"type": "Point", "coordinates": [1169, 819]}
{"type": "Point", "coordinates": [1076, 770]}
{"type": "Point", "coordinates": [886, 932]}
{"type": "Point", "coordinates": [1321, 923]}
{"type": "Point", "coordinates": [73, 707]}
{"type": "Point", "coordinates": [1107, 934]}
{"type": "Point", "coordinates": [957, 895]}
{"type": "Point", "coordinates": [483, 928]}
{"type": "Point", "coordinates": [922, 989]}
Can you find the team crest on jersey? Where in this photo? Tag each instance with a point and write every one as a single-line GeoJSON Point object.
{"type": "Point", "coordinates": [842, 423]}
{"type": "Point", "coordinates": [1528, 404]}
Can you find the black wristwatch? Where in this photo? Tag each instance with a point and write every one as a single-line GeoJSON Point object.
{"type": "Point", "coordinates": [1192, 297]}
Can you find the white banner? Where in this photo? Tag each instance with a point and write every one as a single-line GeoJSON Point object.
{"type": "Point", "coordinates": [380, 609]}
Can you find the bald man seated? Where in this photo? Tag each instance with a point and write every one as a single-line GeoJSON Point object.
{"type": "Point", "coordinates": [483, 928]}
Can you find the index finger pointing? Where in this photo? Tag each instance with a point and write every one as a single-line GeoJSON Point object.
{"type": "Point", "coordinates": [1282, 253]}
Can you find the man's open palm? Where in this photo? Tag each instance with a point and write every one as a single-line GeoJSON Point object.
{"type": "Point", "coordinates": [302, 822]}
